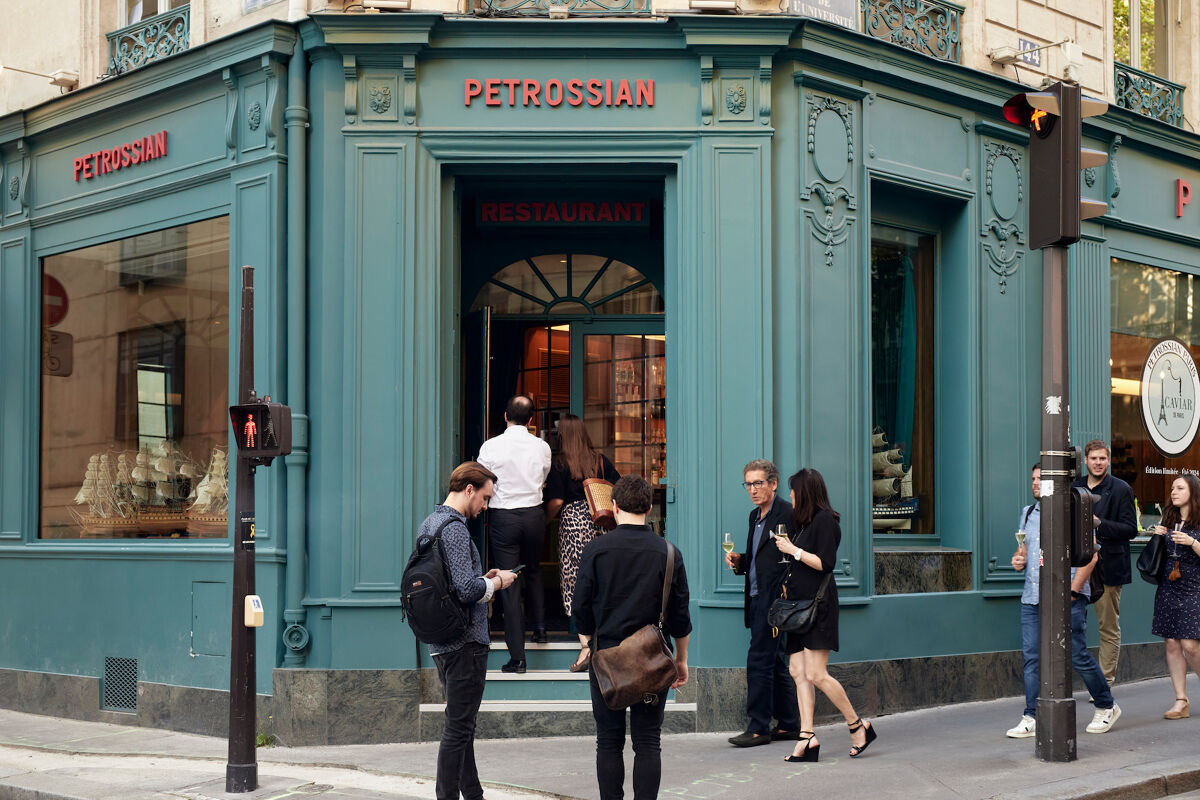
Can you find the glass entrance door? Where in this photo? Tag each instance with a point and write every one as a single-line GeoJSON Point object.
{"type": "Point", "coordinates": [621, 396]}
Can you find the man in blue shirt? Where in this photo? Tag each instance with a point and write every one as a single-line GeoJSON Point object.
{"type": "Point", "coordinates": [1029, 558]}
{"type": "Point", "coordinates": [462, 661]}
{"type": "Point", "coordinates": [770, 690]}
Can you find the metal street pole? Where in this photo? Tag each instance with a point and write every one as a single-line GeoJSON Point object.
{"type": "Point", "coordinates": [1055, 705]}
{"type": "Point", "coordinates": [241, 771]}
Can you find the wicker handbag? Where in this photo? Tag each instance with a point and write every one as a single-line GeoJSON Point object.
{"type": "Point", "coordinates": [598, 493]}
{"type": "Point", "coordinates": [642, 665]}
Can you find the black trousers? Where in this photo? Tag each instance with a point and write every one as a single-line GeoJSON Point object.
{"type": "Point", "coordinates": [516, 536]}
{"type": "Point", "coordinates": [770, 690]}
{"type": "Point", "coordinates": [463, 673]}
{"type": "Point", "coordinates": [645, 729]}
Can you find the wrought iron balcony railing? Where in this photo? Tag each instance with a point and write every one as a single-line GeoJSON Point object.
{"type": "Point", "coordinates": [930, 27]}
{"type": "Point", "coordinates": [148, 40]}
{"type": "Point", "coordinates": [574, 8]}
{"type": "Point", "coordinates": [1148, 94]}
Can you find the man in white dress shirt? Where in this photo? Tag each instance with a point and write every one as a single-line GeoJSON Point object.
{"type": "Point", "coordinates": [517, 523]}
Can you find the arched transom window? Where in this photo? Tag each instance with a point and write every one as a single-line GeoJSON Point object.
{"type": "Point", "coordinates": [569, 284]}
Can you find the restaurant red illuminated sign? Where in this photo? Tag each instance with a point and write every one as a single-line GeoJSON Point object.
{"type": "Point", "coordinates": [554, 92]}
{"type": "Point", "coordinates": [563, 212]}
{"type": "Point", "coordinates": [139, 151]}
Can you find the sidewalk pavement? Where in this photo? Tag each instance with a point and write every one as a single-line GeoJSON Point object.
{"type": "Point", "coordinates": [950, 752]}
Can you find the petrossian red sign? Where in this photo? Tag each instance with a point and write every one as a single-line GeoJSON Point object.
{"type": "Point", "coordinates": [139, 151]}
{"type": "Point", "coordinates": [563, 212]}
{"type": "Point", "coordinates": [554, 92]}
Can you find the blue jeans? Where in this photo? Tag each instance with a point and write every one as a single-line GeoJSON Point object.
{"type": "Point", "coordinates": [1081, 658]}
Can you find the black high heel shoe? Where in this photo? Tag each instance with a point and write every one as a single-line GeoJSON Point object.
{"type": "Point", "coordinates": [856, 751]}
{"type": "Point", "coordinates": [812, 753]}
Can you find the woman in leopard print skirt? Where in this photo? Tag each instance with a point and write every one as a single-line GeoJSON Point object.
{"type": "Point", "coordinates": [574, 463]}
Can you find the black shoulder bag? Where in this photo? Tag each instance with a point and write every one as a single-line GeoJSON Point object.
{"type": "Point", "coordinates": [798, 615]}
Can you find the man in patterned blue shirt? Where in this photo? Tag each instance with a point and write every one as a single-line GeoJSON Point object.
{"type": "Point", "coordinates": [1028, 558]}
{"type": "Point", "coordinates": [462, 661]}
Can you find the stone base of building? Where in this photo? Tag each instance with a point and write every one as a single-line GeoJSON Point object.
{"type": "Point", "coordinates": [320, 707]}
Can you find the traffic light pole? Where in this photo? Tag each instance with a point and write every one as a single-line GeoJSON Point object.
{"type": "Point", "coordinates": [241, 770]}
{"type": "Point", "coordinates": [1055, 705]}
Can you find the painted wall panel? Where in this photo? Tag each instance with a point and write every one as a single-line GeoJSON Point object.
{"type": "Point", "coordinates": [194, 139]}
{"type": "Point", "coordinates": [834, 310]}
{"type": "Point", "coordinates": [378, 378]}
{"type": "Point", "coordinates": [936, 143]}
{"type": "Point", "coordinates": [128, 606]}
{"type": "Point", "coordinates": [742, 324]}
{"type": "Point", "coordinates": [16, 392]}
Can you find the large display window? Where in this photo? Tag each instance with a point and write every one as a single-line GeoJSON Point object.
{"type": "Point", "coordinates": [1148, 304]}
{"type": "Point", "coordinates": [902, 364]}
{"type": "Point", "coordinates": [135, 402]}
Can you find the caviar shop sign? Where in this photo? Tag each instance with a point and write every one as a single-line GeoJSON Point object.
{"type": "Point", "coordinates": [123, 156]}
{"type": "Point", "coordinates": [554, 92]}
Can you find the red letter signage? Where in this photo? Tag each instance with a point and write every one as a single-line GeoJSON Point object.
{"type": "Point", "coordinates": [528, 92]}
{"type": "Point", "coordinates": [122, 156]}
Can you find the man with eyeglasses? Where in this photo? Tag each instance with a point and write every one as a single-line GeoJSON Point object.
{"type": "Point", "coordinates": [770, 691]}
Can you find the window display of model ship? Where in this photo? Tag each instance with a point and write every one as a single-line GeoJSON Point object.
{"type": "Point", "coordinates": [160, 492]}
{"type": "Point", "coordinates": [893, 506]}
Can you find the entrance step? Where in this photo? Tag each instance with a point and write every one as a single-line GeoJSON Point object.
{"type": "Point", "coordinates": [549, 656]}
{"type": "Point", "coordinates": [510, 719]}
{"type": "Point", "coordinates": [537, 684]}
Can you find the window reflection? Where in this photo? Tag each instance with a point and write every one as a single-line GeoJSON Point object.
{"type": "Point", "coordinates": [134, 437]}
{"type": "Point", "coordinates": [1148, 304]}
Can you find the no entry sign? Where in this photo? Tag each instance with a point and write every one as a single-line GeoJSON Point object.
{"type": "Point", "coordinates": [54, 302]}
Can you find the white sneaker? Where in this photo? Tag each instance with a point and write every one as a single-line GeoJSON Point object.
{"type": "Point", "coordinates": [1103, 721]}
{"type": "Point", "coordinates": [1025, 728]}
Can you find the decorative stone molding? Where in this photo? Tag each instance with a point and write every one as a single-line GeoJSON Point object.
{"type": "Point", "coordinates": [735, 98]}
{"type": "Point", "coordinates": [829, 135]}
{"type": "Point", "coordinates": [231, 107]}
{"type": "Point", "coordinates": [14, 188]}
{"type": "Point", "coordinates": [274, 70]}
{"type": "Point", "coordinates": [1003, 239]}
{"type": "Point", "coordinates": [350, 70]}
{"type": "Point", "coordinates": [409, 74]}
{"type": "Point", "coordinates": [254, 115]}
{"type": "Point", "coordinates": [764, 90]}
{"type": "Point", "coordinates": [706, 90]}
{"type": "Point", "coordinates": [1113, 171]}
{"type": "Point", "coordinates": [380, 98]}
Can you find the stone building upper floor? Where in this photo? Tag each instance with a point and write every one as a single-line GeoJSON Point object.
{"type": "Point", "coordinates": [1138, 54]}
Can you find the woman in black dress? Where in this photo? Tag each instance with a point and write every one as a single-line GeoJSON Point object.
{"type": "Point", "coordinates": [813, 544]}
{"type": "Point", "coordinates": [1177, 600]}
{"type": "Point", "coordinates": [576, 461]}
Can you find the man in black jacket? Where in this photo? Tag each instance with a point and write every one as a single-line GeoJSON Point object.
{"type": "Point", "coordinates": [770, 690]}
{"type": "Point", "coordinates": [618, 591]}
{"type": "Point", "coordinates": [1115, 519]}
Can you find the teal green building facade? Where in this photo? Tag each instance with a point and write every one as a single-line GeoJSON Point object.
{"type": "Point", "coordinates": [783, 164]}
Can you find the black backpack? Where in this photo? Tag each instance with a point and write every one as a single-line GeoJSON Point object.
{"type": "Point", "coordinates": [428, 600]}
{"type": "Point", "coordinates": [1095, 582]}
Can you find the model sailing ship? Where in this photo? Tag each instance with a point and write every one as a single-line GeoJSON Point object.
{"type": "Point", "coordinates": [157, 493]}
{"type": "Point", "coordinates": [894, 507]}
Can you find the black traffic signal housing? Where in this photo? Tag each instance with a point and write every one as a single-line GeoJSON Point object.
{"type": "Point", "coordinates": [1083, 536]}
{"type": "Point", "coordinates": [262, 430]}
{"type": "Point", "coordinates": [1056, 158]}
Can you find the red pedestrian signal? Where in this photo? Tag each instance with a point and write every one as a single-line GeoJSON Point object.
{"type": "Point", "coordinates": [262, 430]}
{"type": "Point", "coordinates": [1055, 122]}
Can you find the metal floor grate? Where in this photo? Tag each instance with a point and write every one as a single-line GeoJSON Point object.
{"type": "Point", "coordinates": [119, 688]}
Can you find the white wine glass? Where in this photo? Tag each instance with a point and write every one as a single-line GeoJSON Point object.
{"type": "Point", "coordinates": [727, 543]}
{"type": "Point", "coordinates": [781, 533]}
